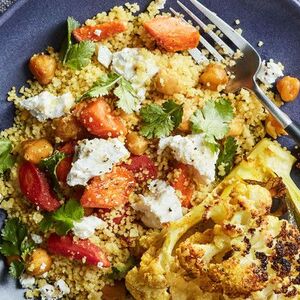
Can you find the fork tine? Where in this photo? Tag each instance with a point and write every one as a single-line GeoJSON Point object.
{"type": "Point", "coordinates": [238, 40]}
{"type": "Point", "coordinates": [221, 43]}
{"type": "Point", "coordinates": [205, 43]}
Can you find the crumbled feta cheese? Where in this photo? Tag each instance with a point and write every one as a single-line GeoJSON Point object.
{"type": "Point", "coordinates": [47, 106]}
{"type": "Point", "coordinates": [192, 150]}
{"type": "Point", "coordinates": [94, 158]}
{"type": "Point", "coordinates": [36, 238]}
{"type": "Point", "coordinates": [62, 287]}
{"type": "Point", "coordinates": [269, 72]}
{"type": "Point", "coordinates": [47, 292]}
{"type": "Point", "coordinates": [104, 55]}
{"type": "Point", "coordinates": [27, 281]}
{"type": "Point", "coordinates": [160, 206]}
{"type": "Point", "coordinates": [260, 43]}
{"type": "Point", "coordinates": [86, 226]}
{"type": "Point", "coordinates": [98, 32]}
{"type": "Point", "coordinates": [135, 67]}
{"type": "Point", "coordinates": [237, 22]}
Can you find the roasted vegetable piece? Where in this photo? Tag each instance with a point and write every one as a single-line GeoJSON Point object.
{"type": "Point", "coordinates": [39, 262]}
{"type": "Point", "coordinates": [82, 250]}
{"type": "Point", "coordinates": [142, 167]}
{"type": "Point", "coordinates": [63, 169]}
{"type": "Point", "coordinates": [97, 118]}
{"type": "Point", "coordinates": [110, 190]}
{"type": "Point", "coordinates": [115, 292]}
{"type": "Point", "coordinates": [35, 187]}
{"type": "Point", "coordinates": [173, 34]}
{"type": "Point", "coordinates": [98, 32]}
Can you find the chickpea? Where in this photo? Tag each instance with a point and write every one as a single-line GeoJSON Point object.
{"type": "Point", "coordinates": [273, 128]}
{"type": "Point", "coordinates": [43, 67]}
{"type": "Point", "coordinates": [236, 127]}
{"type": "Point", "coordinates": [213, 76]}
{"type": "Point", "coordinates": [136, 144]}
{"type": "Point", "coordinates": [168, 82]}
{"type": "Point", "coordinates": [36, 150]}
{"type": "Point", "coordinates": [39, 262]}
{"type": "Point", "coordinates": [116, 292]}
{"type": "Point", "coordinates": [67, 128]}
{"type": "Point", "coordinates": [288, 88]}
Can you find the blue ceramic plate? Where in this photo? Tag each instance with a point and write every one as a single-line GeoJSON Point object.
{"type": "Point", "coordinates": [30, 25]}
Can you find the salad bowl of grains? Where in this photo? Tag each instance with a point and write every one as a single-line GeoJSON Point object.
{"type": "Point", "coordinates": [126, 169]}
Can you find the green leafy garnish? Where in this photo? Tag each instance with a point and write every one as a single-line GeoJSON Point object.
{"type": "Point", "coordinates": [76, 56]}
{"type": "Point", "coordinates": [227, 154]}
{"type": "Point", "coordinates": [6, 159]}
{"type": "Point", "coordinates": [120, 270]}
{"type": "Point", "coordinates": [160, 121]}
{"type": "Point", "coordinates": [213, 120]}
{"type": "Point", "coordinates": [128, 100]}
{"type": "Point", "coordinates": [15, 241]}
{"type": "Point", "coordinates": [63, 218]}
{"type": "Point", "coordinates": [49, 165]}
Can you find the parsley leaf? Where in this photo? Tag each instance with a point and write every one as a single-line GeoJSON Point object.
{"type": "Point", "coordinates": [63, 218]}
{"type": "Point", "coordinates": [72, 24]}
{"type": "Point", "coordinates": [213, 120]}
{"type": "Point", "coordinates": [128, 100]}
{"type": "Point", "coordinates": [159, 121]}
{"type": "Point", "coordinates": [16, 268]}
{"type": "Point", "coordinates": [102, 86]}
{"type": "Point", "coordinates": [79, 55]}
{"type": "Point", "coordinates": [227, 154]}
{"type": "Point", "coordinates": [6, 159]}
{"type": "Point", "coordinates": [49, 165]}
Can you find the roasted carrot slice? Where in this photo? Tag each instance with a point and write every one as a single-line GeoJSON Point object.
{"type": "Point", "coordinates": [99, 32]}
{"type": "Point", "coordinates": [173, 34]}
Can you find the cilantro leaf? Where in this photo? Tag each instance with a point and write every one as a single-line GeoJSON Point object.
{"type": "Point", "coordinates": [49, 165]}
{"type": "Point", "coordinates": [80, 55]}
{"type": "Point", "coordinates": [102, 86]}
{"type": "Point", "coordinates": [120, 270]}
{"type": "Point", "coordinates": [213, 120]}
{"type": "Point", "coordinates": [63, 218]}
{"type": "Point", "coordinates": [159, 121]}
{"type": "Point", "coordinates": [6, 159]}
{"type": "Point", "coordinates": [128, 100]}
{"type": "Point", "coordinates": [16, 268]}
{"type": "Point", "coordinates": [227, 154]}
{"type": "Point", "coordinates": [72, 24]}
{"type": "Point", "coordinates": [26, 247]}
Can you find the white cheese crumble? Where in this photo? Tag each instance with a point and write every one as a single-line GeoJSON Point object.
{"type": "Point", "coordinates": [269, 72]}
{"type": "Point", "coordinates": [260, 43]}
{"type": "Point", "coordinates": [47, 292]}
{"type": "Point", "coordinates": [160, 206]}
{"type": "Point", "coordinates": [237, 22]}
{"type": "Point", "coordinates": [36, 238]}
{"type": "Point", "coordinates": [94, 158]}
{"type": "Point", "coordinates": [104, 55]}
{"type": "Point", "coordinates": [27, 281]}
{"type": "Point", "coordinates": [62, 287]}
{"type": "Point", "coordinates": [192, 150]}
{"type": "Point", "coordinates": [47, 106]}
{"type": "Point", "coordinates": [98, 32]}
{"type": "Point", "coordinates": [135, 67]}
{"type": "Point", "coordinates": [86, 227]}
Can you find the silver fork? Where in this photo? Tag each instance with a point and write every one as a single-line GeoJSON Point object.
{"type": "Point", "coordinates": [245, 69]}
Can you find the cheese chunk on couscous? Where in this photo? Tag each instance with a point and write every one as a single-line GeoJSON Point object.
{"type": "Point", "coordinates": [160, 206]}
{"type": "Point", "coordinates": [47, 106]}
{"type": "Point", "coordinates": [86, 227]}
{"type": "Point", "coordinates": [269, 72]}
{"type": "Point", "coordinates": [191, 150]}
{"type": "Point", "coordinates": [95, 158]}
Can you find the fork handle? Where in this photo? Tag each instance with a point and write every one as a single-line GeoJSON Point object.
{"type": "Point", "coordinates": [290, 126]}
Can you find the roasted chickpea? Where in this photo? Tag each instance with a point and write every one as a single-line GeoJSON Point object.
{"type": "Point", "coordinates": [39, 262]}
{"type": "Point", "coordinates": [67, 128]}
{"type": "Point", "coordinates": [213, 76]}
{"type": "Point", "coordinates": [116, 292]}
{"type": "Point", "coordinates": [136, 144]}
{"type": "Point", "coordinates": [236, 127]}
{"type": "Point", "coordinates": [168, 82]}
{"type": "Point", "coordinates": [273, 128]}
{"type": "Point", "coordinates": [288, 88]}
{"type": "Point", "coordinates": [36, 150]}
{"type": "Point", "coordinates": [43, 67]}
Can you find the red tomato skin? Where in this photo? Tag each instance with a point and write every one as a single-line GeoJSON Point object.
{"type": "Point", "coordinates": [34, 185]}
{"type": "Point", "coordinates": [142, 167]}
{"type": "Point", "coordinates": [77, 249]}
{"type": "Point", "coordinates": [63, 169]}
{"type": "Point", "coordinates": [68, 148]}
